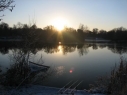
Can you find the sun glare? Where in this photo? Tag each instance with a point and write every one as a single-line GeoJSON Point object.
{"type": "Point", "coordinates": [59, 23]}
{"type": "Point", "coordinates": [60, 48]}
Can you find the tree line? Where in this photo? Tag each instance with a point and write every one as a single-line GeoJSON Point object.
{"type": "Point", "coordinates": [82, 49]}
{"type": "Point", "coordinates": [50, 34]}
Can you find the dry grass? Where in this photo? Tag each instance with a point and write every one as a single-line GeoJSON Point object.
{"type": "Point", "coordinates": [115, 84]}
{"type": "Point", "coordinates": [118, 79]}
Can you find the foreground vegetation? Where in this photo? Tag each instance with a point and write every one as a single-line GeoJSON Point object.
{"type": "Point", "coordinates": [20, 71]}
{"type": "Point", "coordinates": [116, 83]}
{"type": "Point", "coordinates": [118, 79]}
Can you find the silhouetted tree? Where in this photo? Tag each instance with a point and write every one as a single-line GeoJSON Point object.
{"type": "Point", "coordinates": [4, 25]}
{"type": "Point", "coordinates": [6, 4]}
{"type": "Point", "coordinates": [95, 31]}
{"type": "Point", "coordinates": [117, 34]}
{"type": "Point", "coordinates": [49, 34]}
{"type": "Point", "coordinates": [102, 33]}
{"type": "Point", "coordinates": [69, 35]}
{"type": "Point", "coordinates": [81, 28]}
{"type": "Point", "coordinates": [81, 32]}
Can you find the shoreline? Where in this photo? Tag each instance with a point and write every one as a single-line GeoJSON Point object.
{"type": "Point", "coordinates": [40, 90]}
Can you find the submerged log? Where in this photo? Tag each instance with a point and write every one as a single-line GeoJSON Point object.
{"type": "Point", "coordinates": [37, 67]}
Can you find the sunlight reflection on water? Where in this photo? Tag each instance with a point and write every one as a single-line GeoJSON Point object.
{"type": "Point", "coordinates": [76, 62]}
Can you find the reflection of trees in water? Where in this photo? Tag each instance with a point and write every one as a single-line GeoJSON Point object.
{"type": "Point", "coordinates": [102, 45]}
{"type": "Point", "coordinates": [83, 49]}
{"type": "Point", "coordinates": [117, 48]}
{"type": "Point", "coordinates": [20, 71]}
{"type": "Point", "coordinates": [51, 49]}
{"type": "Point", "coordinates": [68, 49]}
{"type": "Point", "coordinates": [94, 46]}
{"type": "Point", "coordinates": [5, 47]}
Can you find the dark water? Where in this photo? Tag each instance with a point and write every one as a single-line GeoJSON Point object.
{"type": "Point", "coordinates": [73, 62]}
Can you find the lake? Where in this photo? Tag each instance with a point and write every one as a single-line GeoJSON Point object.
{"type": "Point", "coordinates": [84, 62]}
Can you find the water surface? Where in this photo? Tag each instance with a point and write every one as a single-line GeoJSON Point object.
{"type": "Point", "coordinates": [84, 62]}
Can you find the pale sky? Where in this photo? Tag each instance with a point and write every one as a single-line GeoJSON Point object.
{"type": "Point", "coordinates": [101, 14]}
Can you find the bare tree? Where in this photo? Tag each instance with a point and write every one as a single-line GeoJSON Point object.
{"type": "Point", "coordinates": [20, 71]}
{"type": "Point", "coordinates": [6, 4]}
{"type": "Point", "coordinates": [85, 28]}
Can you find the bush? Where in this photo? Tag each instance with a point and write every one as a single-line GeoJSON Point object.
{"type": "Point", "coordinates": [115, 84]}
{"type": "Point", "coordinates": [16, 74]}
{"type": "Point", "coordinates": [118, 79]}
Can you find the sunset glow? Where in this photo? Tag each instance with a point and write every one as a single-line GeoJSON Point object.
{"type": "Point", "coordinates": [63, 47]}
{"type": "Point", "coordinates": [59, 23]}
{"type": "Point", "coordinates": [60, 48]}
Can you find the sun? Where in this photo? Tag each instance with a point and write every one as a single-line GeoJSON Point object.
{"type": "Point", "coordinates": [59, 23]}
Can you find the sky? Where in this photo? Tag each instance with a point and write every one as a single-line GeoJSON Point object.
{"type": "Point", "coordinates": [101, 14]}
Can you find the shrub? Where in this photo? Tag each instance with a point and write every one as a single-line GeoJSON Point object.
{"type": "Point", "coordinates": [116, 83]}
{"type": "Point", "coordinates": [118, 79]}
